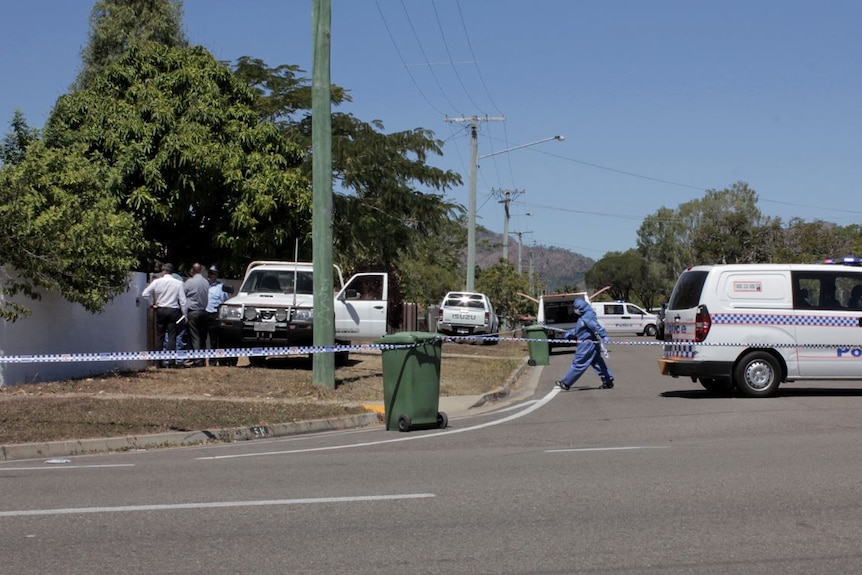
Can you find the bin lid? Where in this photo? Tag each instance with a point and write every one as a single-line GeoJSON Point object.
{"type": "Point", "coordinates": [407, 338]}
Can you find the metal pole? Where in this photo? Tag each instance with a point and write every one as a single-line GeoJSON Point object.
{"type": "Point", "coordinates": [471, 209]}
{"type": "Point", "coordinates": [323, 364]}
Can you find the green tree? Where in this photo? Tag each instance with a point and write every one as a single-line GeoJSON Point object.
{"type": "Point", "coordinates": [387, 195]}
{"type": "Point", "coordinates": [622, 271]}
{"type": "Point", "coordinates": [726, 227]}
{"type": "Point", "coordinates": [188, 155]}
{"type": "Point", "coordinates": [62, 230]}
{"type": "Point", "coordinates": [502, 283]}
{"type": "Point", "coordinates": [115, 25]}
{"type": "Point", "coordinates": [16, 142]}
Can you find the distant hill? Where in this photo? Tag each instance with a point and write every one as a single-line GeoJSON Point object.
{"type": "Point", "coordinates": [554, 267]}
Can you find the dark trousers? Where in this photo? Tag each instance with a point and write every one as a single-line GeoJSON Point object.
{"type": "Point", "coordinates": [166, 323]}
{"type": "Point", "coordinates": [212, 331]}
{"type": "Point", "coordinates": [198, 324]}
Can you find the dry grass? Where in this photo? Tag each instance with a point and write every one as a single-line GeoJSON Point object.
{"type": "Point", "coordinates": [161, 400]}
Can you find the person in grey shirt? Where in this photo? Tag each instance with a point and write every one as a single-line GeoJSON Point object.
{"type": "Point", "coordinates": [197, 294]}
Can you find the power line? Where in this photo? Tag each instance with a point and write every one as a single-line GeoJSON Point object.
{"type": "Point", "coordinates": [403, 63]}
{"type": "Point", "coordinates": [427, 61]}
{"type": "Point", "coordinates": [451, 59]}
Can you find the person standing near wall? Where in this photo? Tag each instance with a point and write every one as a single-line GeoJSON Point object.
{"type": "Point", "coordinates": [197, 293]}
{"type": "Point", "coordinates": [168, 299]}
{"type": "Point", "coordinates": [216, 297]}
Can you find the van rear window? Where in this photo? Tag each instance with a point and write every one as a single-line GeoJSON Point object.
{"type": "Point", "coordinates": [686, 293]}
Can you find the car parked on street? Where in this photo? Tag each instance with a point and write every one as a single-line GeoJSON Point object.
{"type": "Point", "coordinates": [467, 314]}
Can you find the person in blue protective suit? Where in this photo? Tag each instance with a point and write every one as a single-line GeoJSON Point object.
{"type": "Point", "coordinates": [589, 334]}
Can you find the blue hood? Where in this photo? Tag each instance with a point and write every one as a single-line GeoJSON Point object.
{"type": "Point", "coordinates": [581, 306]}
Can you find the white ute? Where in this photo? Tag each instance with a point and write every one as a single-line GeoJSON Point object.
{"type": "Point", "coordinates": [467, 314]}
{"type": "Point", "coordinates": [275, 308]}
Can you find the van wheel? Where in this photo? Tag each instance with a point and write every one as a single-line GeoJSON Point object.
{"type": "Point", "coordinates": [757, 374]}
{"type": "Point", "coordinates": [649, 330]}
{"type": "Point", "coordinates": [716, 385]}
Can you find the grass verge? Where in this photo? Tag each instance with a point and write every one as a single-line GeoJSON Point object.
{"type": "Point", "coordinates": [163, 400]}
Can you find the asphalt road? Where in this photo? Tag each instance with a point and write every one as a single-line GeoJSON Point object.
{"type": "Point", "coordinates": [654, 476]}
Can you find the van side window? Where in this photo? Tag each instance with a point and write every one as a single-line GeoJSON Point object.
{"type": "Point", "coordinates": [832, 290]}
{"type": "Point", "coordinates": [634, 310]}
{"type": "Point", "coordinates": [613, 309]}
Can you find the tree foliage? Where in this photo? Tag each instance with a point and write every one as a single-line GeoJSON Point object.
{"type": "Point", "coordinates": [116, 25]}
{"type": "Point", "coordinates": [16, 142]}
{"type": "Point", "coordinates": [388, 197]}
{"type": "Point", "coordinates": [62, 230]}
{"type": "Point", "coordinates": [188, 155]}
{"type": "Point", "coordinates": [502, 283]}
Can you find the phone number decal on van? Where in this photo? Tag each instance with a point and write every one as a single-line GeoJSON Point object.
{"type": "Point", "coordinates": [748, 286]}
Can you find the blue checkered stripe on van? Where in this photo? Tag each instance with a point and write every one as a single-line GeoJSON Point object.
{"type": "Point", "coordinates": [784, 319]}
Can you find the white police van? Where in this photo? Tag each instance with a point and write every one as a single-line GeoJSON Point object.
{"type": "Point", "coordinates": [620, 317]}
{"type": "Point", "coordinates": [753, 326]}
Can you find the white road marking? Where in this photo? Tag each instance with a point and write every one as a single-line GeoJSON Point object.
{"type": "Point", "coordinates": [582, 449]}
{"type": "Point", "coordinates": [530, 409]}
{"type": "Point", "coordinates": [66, 467]}
{"type": "Point", "coordinates": [214, 505]}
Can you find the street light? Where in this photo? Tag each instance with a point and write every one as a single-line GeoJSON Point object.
{"type": "Point", "coordinates": [471, 208]}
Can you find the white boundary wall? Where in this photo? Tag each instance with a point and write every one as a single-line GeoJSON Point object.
{"type": "Point", "coordinates": [57, 326]}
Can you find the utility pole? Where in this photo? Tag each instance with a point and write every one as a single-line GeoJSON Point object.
{"type": "Point", "coordinates": [521, 245]}
{"type": "Point", "coordinates": [323, 364]}
{"type": "Point", "coordinates": [531, 276]}
{"type": "Point", "coordinates": [508, 196]}
{"type": "Point", "coordinates": [471, 208]}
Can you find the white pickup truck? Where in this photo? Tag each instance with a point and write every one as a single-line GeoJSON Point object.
{"type": "Point", "coordinates": [275, 308]}
{"type": "Point", "coordinates": [466, 314]}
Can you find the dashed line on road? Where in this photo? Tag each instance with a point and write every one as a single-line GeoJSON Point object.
{"type": "Point", "coordinates": [585, 449]}
{"type": "Point", "coordinates": [65, 467]}
{"type": "Point", "coordinates": [213, 505]}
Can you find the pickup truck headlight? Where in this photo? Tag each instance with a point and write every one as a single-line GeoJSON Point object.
{"type": "Point", "coordinates": [303, 314]}
{"type": "Point", "coordinates": [230, 312]}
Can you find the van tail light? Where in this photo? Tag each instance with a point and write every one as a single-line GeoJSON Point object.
{"type": "Point", "coordinates": [702, 323]}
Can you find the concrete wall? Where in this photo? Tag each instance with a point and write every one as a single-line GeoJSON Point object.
{"type": "Point", "coordinates": [57, 326]}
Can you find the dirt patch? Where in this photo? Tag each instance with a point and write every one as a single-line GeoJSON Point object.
{"type": "Point", "coordinates": [187, 399]}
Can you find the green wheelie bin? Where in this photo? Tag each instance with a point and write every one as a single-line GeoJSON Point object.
{"type": "Point", "coordinates": [540, 352]}
{"type": "Point", "coordinates": [411, 381]}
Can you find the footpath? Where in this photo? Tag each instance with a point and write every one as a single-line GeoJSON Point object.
{"type": "Point", "coordinates": [521, 382]}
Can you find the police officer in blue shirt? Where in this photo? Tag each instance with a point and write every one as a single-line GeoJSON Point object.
{"type": "Point", "coordinates": [217, 295]}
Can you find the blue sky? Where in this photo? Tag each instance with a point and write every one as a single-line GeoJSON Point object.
{"type": "Point", "coordinates": [658, 101]}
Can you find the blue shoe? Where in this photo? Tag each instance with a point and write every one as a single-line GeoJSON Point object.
{"type": "Point", "coordinates": [563, 386]}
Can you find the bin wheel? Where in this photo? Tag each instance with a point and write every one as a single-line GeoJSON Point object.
{"type": "Point", "coordinates": [403, 423]}
{"type": "Point", "coordinates": [531, 362]}
{"type": "Point", "coordinates": [442, 420]}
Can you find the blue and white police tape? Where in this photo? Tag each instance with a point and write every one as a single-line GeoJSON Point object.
{"type": "Point", "coordinates": [184, 355]}
{"type": "Point", "coordinates": [310, 350]}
